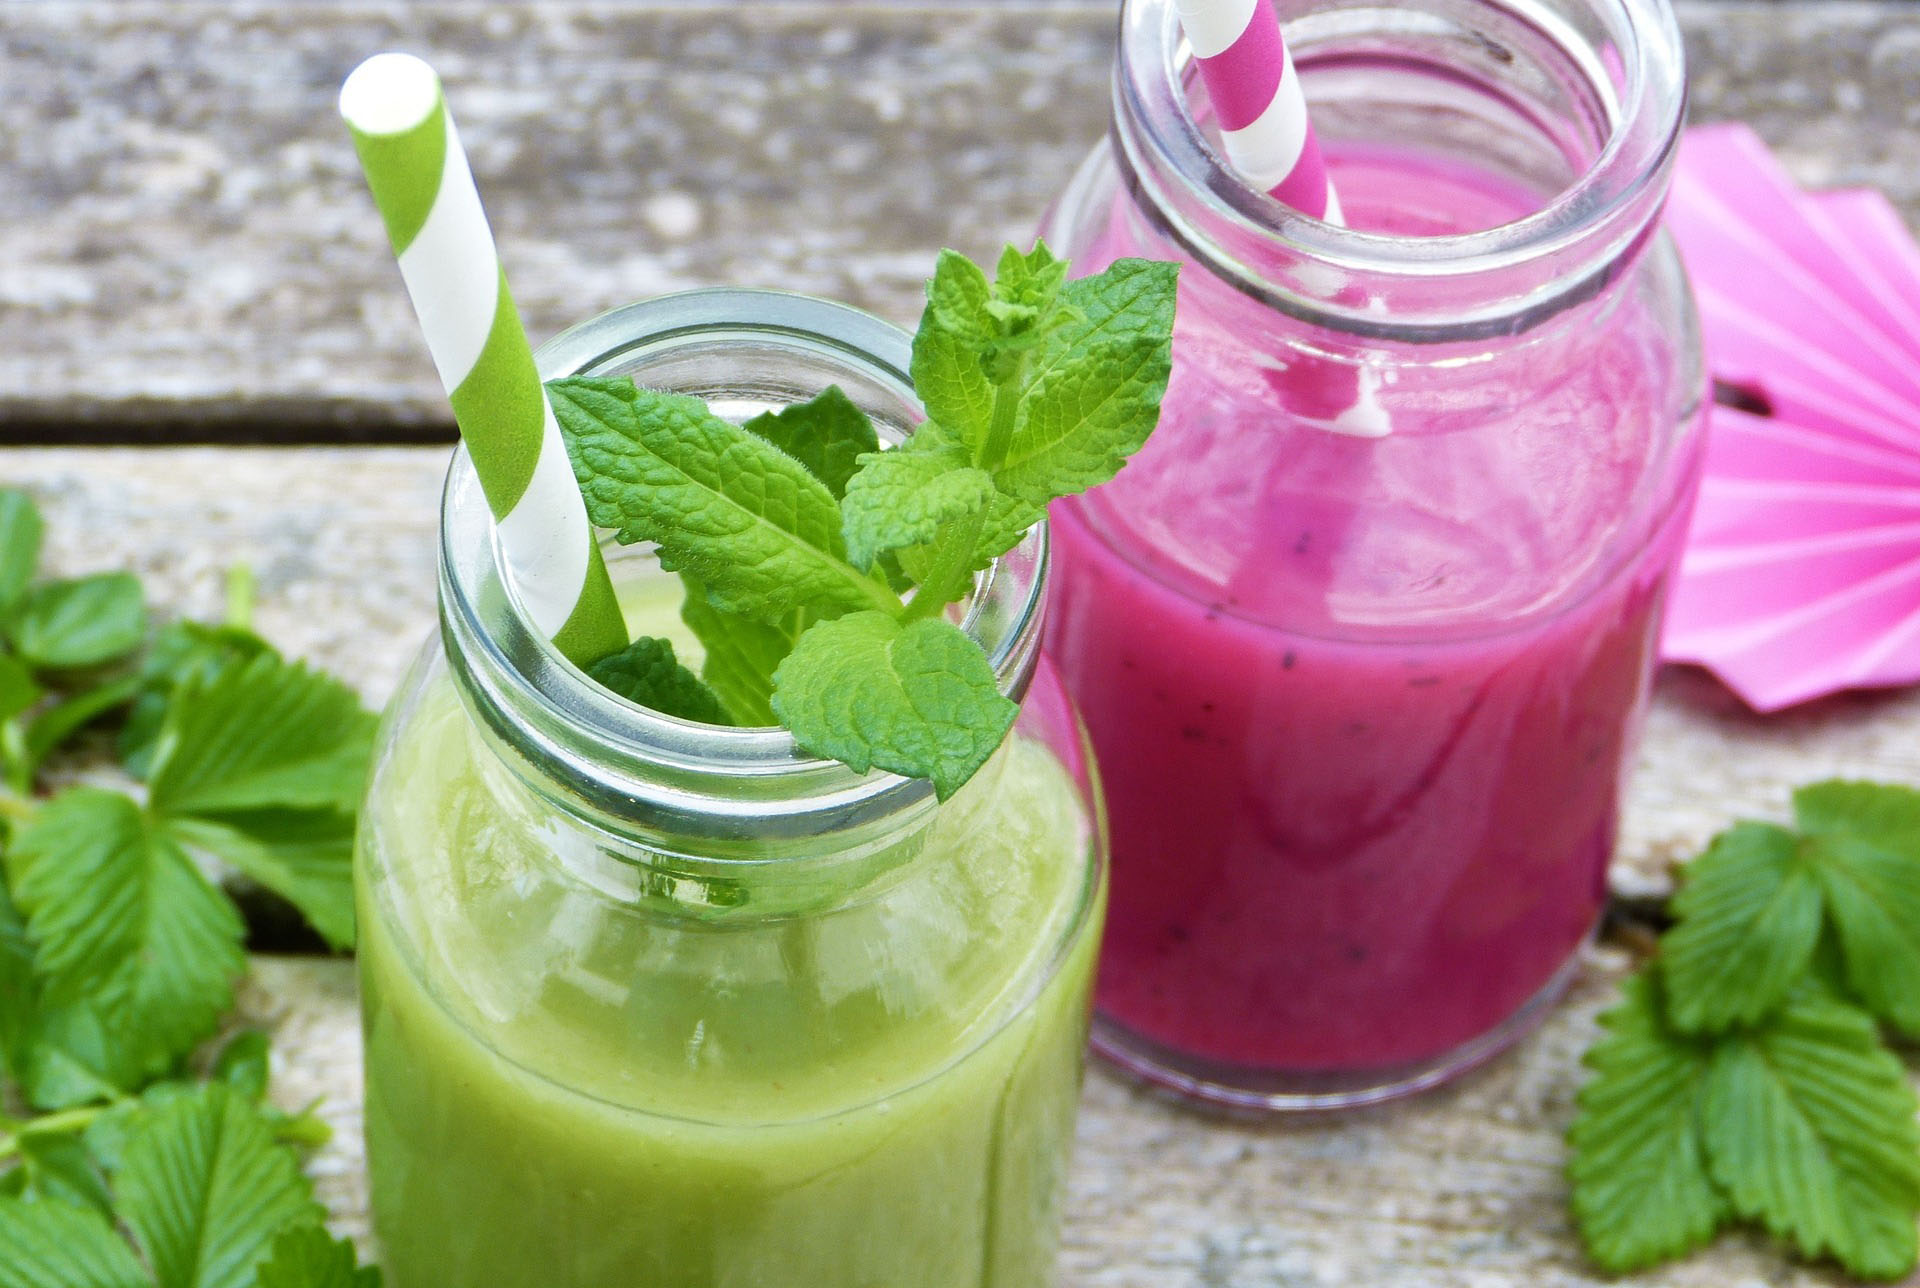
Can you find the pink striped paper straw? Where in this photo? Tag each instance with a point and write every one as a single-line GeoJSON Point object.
{"type": "Point", "coordinates": [1256, 96]}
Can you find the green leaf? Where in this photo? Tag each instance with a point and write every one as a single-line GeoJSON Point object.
{"type": "Point", "coordinates": [82, 622]}
{"type": "Point", "coordinates": [17, 688]}
{"type": "Point", "coordinates": [1748, 917]}
{"type": "Point", "coordinates": [827, 435]}
{"type": "Point", "coordinates": [108, 1135]}
{"type": "Point", "coordinates": [244, 1064]}
{"type": "Point", "coordinates": [308, 1258]}
{"type": "Point", "coordinates": [121, 921]}
{"type": "Point", "coordinates": [52, 1244]}
{"type": "Point", "coordinates": [1093, 387]}
{"type": "Point", "coordinates": [183, 654]}
{"type": "Point", "coordinates": [60, 721]}
{"type": "Point", "coordinates": [57, 1165]}
{"type": "Point", "coordinates": [902, 497]}
{"type": "Point", "coordinates": [741, 654]}
{"type": "Point", "coordinates": [20, 533]}
{"type": "Point", "coordinates": [1810, 1130]}
{"type": "Point", "coordinates": [303, 855]}
{"type": "Point", "coordinates": [948, 374]}
{"type": "Point", "coordinates": [647, 673]}
{"type": "Point", "coordinates": [1026, 303]}
{"type": "Point", "coordinates": [267, 733]}
{"type": "Point", "coordinates": [758, 531]}
{"type": "Point", "coordinates": [1005, 524]}
{"type": "Point", "coordinates": [1863, 841]}
{"type": "Point", "coordinates": [206, 1191]}
{"type": "Point", "coordinates": [70, 1057]}
{"type": "Point", "coordinates": [17, 990]}
{"type": "Point", "coordinates": [1641, 1191]}
{"type": "Point", "coordinates": [919, 700]}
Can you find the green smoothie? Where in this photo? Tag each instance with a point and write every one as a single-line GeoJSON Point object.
{"type": "Point", "coordinates": [584, 1072]}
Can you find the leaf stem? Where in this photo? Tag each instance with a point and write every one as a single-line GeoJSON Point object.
{"type": "Point", "coordinates": [240, 589]}
{"type": "Point", "coordinates": [63, 1123]}
{"type": "Point", "coordinates": [952, 569]}
{"type": "Point", "coordinates": [1006, 402]}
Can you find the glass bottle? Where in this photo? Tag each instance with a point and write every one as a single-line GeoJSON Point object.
{"type": "Point", "coordinates": [649, 1001]}
{"type": "Point", "coordinates": [1364, 634]}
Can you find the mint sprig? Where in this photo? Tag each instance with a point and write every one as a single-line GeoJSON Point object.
{"type": "Point", "coordinates": [820, 567]}
{"type": "Point", "coordinates": [1744, 1074]}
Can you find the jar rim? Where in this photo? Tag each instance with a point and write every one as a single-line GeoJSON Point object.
{"type": "Point", "coordinates": [1612, 202]}
{"type": "Point", "coordinates": [685, 774]}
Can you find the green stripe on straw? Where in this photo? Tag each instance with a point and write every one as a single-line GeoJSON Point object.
{"type": "Point", "coordinates": [421, 182]}
{"type": "Point", "coordinates": [503, 392]}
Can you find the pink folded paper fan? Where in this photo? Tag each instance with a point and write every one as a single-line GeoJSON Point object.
{"type": "Point", "coordinates": [1802, 569]}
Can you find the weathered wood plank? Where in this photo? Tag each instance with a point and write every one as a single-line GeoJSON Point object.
{"type": "Point", "coordinates": [185, 244]}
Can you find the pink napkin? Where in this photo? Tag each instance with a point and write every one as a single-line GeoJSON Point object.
{"type": "Point", "coordinates": [1802, 570]}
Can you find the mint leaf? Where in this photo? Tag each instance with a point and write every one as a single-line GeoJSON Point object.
{"type": "Point", "coordinates": [20, 533]}
{"type": "Point", "coordinates": [182, 654]}
{"type": "Point", "coordinates": [267, 733]}
{"type": "Point", "coordinates": [1749, 915]}
{"type": "Point", "coordinates": [82, 622]}
{"type": "Point", "coordinates": [308, 1258]}
{"type": "Point", "coordinates": [1093, 386]}
{"type": "Point", "coordinates": [948, 374]}
{"type": "Point", "coordinates": [304, 856]}
{"type": "Point", "coordinates": [1005, 524]}
{"type": "Point", "coordinates": [758, 531]}
{"type": "Point", "coordinates": [122, 922]}
{"type": "Point", "coordinates": [53, 1244]}
{"type": "Point", "coordinates": [919, 699]}
{"type": "Point", "coordinates": [827, 435]}
{"type": "Point", "coordinates": [903, 496]}
{"type": "Point", "coordinates": [206, 1191]}
{"type": "Point", "coordinates": [647, 673]}
{"type": "Point", "coordinates": [741, 654]}
{"type": "Point", "coordinates": [1863, 842]}
{"type": "Point", "coordinates": [57, 1165]}
{"type": "Point", "coordinates": [1641, 1191]}
{"type": "Point", "coordinates": [1810, 1129]}
{"type": "Point", "coordinates": [1025, 306]}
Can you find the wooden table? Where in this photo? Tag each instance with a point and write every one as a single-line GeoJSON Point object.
{"type": "Point", "coordinates": [205, 356]}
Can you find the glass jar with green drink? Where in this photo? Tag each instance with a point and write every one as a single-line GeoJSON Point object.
{"type": "Point", "coordinates": [655, 1002]}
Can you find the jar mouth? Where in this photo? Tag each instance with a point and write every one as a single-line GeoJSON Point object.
{"type": "Point", "coordinates": [1629, 66]}
{"type": "Point", "coordinates": [627, 759]}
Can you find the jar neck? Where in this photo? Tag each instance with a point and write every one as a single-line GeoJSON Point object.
{"type": "Point", "coordinates": [648, 782]}
{"type": "Point", "coordinates": [1578, 103]}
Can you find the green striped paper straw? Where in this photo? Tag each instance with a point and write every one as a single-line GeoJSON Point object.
{"type": "Point", "coordinates": [424, 188]}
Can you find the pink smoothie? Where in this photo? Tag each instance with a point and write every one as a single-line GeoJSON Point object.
{"type": "Point", "coordinates": [1363, 706]}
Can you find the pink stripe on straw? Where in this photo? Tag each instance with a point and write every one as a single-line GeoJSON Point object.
{"type": "Point", "coordinates": [1257, 99]}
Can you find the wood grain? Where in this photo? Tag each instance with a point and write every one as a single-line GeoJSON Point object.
{"type": "Point", "coordinates": [186, 248]}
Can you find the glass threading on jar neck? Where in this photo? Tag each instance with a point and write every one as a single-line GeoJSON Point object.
{"type": "Point", "coordinates": [1601, 80]}
{"type": "Point", "coordinates": [652, 781]}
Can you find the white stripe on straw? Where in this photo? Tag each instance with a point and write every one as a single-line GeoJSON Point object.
{"type": "Point", "coordinates": [1257, 98]}
{"type": "Point", "coordinates": [393, 104]}
{"type": "Point", "coordinates": [1269, 138]}
{"type": "Point", "coordinates": [452, 271]}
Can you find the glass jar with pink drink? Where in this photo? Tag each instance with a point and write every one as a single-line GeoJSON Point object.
{"type": "Point", "coordinates": [1364, 635]}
